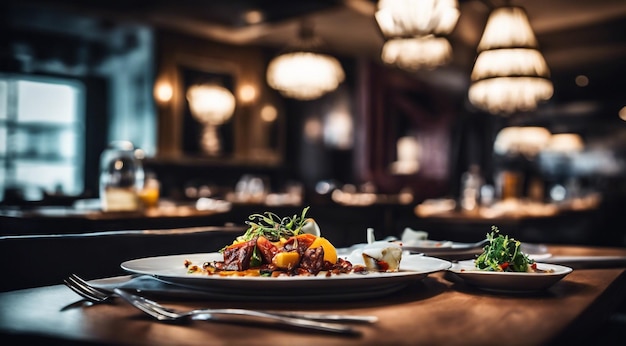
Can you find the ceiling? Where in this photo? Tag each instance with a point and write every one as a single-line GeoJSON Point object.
{"type": "Point", "coordinates": [576, 37]}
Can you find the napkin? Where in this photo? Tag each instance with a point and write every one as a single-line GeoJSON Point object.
{"type": "Point", "coordinates": [154, 287]}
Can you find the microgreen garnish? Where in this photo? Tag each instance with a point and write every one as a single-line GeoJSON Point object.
{"type": "Point", "coordinates": [272, 227]}
{"type": "Point", "coordinates": [502, 253]}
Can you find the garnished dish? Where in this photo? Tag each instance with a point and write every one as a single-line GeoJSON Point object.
{"type": "Point", "coordinates": [504, 254]}
{"type": "Point", "coordinates": [503, 266]}
{"type": "Point", "coordinates": [290, 246]}
{"type": "Point", "coordinates": [288, 259]}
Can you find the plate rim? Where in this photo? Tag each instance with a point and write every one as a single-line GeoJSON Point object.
{"type": "Point", "coordinates": [126, 265]}
{"type": "Point", "coordinates": [353, 286]}
{"type": "Point", "coordinates": [562, 270]}
{"type": "Point", "coordinates": [509, 282]}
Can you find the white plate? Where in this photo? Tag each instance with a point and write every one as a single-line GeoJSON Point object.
{"type": "Point", "coordinates": [457, 251]}
{"type": "Point", "coordinates": [171, 269]}
{"type": "Point", "coordinates": [509, 281]}
{"type": "Point", "coordinates": [431, 244]}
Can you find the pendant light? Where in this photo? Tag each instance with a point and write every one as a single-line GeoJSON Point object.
{"type": "Point", "coordinates": [302, 72]}
{"type": "Point", "coordinates": [510, 74]}
{"type": "Point", "coordinates": [414, 31]}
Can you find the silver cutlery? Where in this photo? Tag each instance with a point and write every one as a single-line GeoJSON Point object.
{"type": "Point", "coordinates": [99, 295]}
{"type": "Point", "coordinates": [86, 290]}
{"type": "Point", "coordinates": [167, 314]}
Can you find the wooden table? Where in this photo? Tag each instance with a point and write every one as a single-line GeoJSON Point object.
{"type": "Point", "coordinates": [434, 311]}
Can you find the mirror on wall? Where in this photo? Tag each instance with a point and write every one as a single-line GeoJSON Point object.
{"type": "Point", "coordinates": [208, 109]}
{"type": "Point", "coordinates": [219, 109]}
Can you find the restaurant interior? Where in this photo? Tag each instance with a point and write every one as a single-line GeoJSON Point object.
{"type": "Point", "coordinates": [393, 143]}
{"type": "Point", "coordinates": [131, 129]}
{"type": "Point", "coordinates": [391, 138]}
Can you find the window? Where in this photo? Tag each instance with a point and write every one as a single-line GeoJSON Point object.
{"type": "Point", "coordinates": [41, 135]}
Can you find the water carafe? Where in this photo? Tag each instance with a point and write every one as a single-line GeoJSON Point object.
{"type": "Point", "coordinates": [121, 177]}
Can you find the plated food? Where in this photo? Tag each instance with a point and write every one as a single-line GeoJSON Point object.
{"type": "Point", "coordinates": [509, 282]}
{"type": "Point", "coordinates": [382, 256]}
{"type": "Point", "coordinates": [275, 246]}
{"type": "Point", "coordinates": [504, 254]}
{"type": "Point", "coordinates": [503, 266]}
{"type": "Point", "coordinates": [298, 288]}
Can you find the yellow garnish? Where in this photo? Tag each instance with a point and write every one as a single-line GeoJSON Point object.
{"type": "Point", "coordinates": [330, 253]}
{"type": "Point", "coordinates": [286, 260]}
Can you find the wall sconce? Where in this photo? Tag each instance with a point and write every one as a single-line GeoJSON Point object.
{"type": "Point", "coordinates": [414, 30]}
{"type": "Point", "coordinates": [247, 94]}
{"type": "Point", "coordinates": [163, 92]}
{"type": "Point", "coordinates": [269, 113]}
{"type": "Point", "coordinates": [302, 72]}
{"type": "Point", "coordinates": [212, 105]}
{"type": "Point", "coordinates": [510, 74]}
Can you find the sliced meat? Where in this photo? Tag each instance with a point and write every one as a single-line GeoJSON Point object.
{"type": "Point", "coordinates": [237, 256]}
{"type": "Point", "coordinates": [313, 260]}
{"type": "Point", "coordinates": [267, 249]}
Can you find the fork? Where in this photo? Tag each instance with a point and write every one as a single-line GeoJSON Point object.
{"type": "Point", "coordinates": [167, 314]}
{"type": "Point", "coordinates": [100, 295]}
{"type": "Point", "coordinates": [86, 290]}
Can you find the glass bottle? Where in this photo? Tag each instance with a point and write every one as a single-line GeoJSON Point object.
{"type": "Point", "coordinates": [121, 177]}
{"type": "Point", "coordinates": [471, 182]}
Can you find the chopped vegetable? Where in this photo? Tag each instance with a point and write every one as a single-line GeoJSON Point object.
{"type": "Point", "coordinates": [503, 253]}
{"type": "Point", "coordinates": [330, 253]}
{"type": "Point", "coordinates": [286, 260]}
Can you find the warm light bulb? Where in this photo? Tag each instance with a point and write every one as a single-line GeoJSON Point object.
{"type": "Point", "coordinates": [269, 113]}
{"type": "Point", "coordinates": [247, 93]}
{"type": "Point", "coordinates": [163, 92]}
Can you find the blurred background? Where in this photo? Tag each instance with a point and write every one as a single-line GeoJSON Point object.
{"type": "Point", "coordinates": [394, 141]}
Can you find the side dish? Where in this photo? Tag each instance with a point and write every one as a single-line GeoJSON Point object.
{"type": "Point", "coordinates": [288, 246]}
{"type": "Point", "coordinates": [503, 254]}
{"type": "Point", "coordinates": [382, 256]}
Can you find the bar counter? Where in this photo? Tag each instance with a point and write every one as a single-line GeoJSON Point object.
{"type": "Point", "coordinates": [434, 311]}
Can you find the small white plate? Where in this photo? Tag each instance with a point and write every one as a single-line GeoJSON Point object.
{"type": "Point", "coordinates": [511, 282]}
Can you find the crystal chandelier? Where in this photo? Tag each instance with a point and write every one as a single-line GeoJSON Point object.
{"type": "Point", "coordinates": [302, 72]}
{"type": "Point", "coordinates": [509, 74]}
{"type": "Point", "coordinates": [414, 31]}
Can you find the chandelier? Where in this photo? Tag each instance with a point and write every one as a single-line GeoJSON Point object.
{"type": "Point", "coordinates": [418, 52]}
{"type": "Point", "coordinates": [302, 72]}
{"type": "Point", "coordinates": [414, 31]}
{"type": "Point", "coordinates": [565, 143]}
{"type": "Point", "coordinates": [525, 140]}
{"type": "Point", "coordinates": [212, 105]}
{"type": "Point", "coordinates": [510, 74]}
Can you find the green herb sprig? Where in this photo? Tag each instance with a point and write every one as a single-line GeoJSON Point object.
{"type": "Point", "coordinates": [272, 227]}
